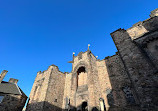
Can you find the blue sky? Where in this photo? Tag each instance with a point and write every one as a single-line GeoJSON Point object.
{"type": "Point", "coordinates": [37, 33]}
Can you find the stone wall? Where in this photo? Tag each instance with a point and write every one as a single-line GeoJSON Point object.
{"type": "Point", "coordinates": [45, 88]}
{"type": "Point", "coordinates": [67, 91]}
{"type": "Point", "coordinates": [12, 102]}
{"type": "Point", "coordinates": [39, 90]}
{"type": "Point", "coordinates": [119, 80]}
{"type": "Point", "coordinates": [140, 68]}
{"type": "Point", "coordinates": [125, 81]}
{"type": "Point", "coordinates": [55, 91]}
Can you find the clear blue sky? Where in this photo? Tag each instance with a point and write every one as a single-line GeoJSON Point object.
{"type": "Point", "coordinates": [37, 33]}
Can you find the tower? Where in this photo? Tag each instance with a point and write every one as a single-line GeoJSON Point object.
{"type": "Point", "coordinates": [124, 81]}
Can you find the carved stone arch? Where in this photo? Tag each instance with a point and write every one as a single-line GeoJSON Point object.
{"type": "Point", "coordinates": [80, 64]}
{"type": "Point", "coordinates": [74, 73]}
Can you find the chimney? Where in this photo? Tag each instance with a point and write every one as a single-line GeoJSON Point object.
{"type": "Point", "coordinates": [12, 80]}
{"type": "Point", "coordinates": [2, 75]}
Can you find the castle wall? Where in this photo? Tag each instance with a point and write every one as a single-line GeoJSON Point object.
{"type": "Point", "coordinates": [113, 78]}
{"type": "Point", "coordinates": [12, 102]}
{"type": "Point", "coordinates": [94, 83]}
{"type": "Point", "coordinates": [104, 81]}
{"type": "Point", "coordinates": [46, 85]}
{"type": "Point", "coordinates": [139, 67]}
{"type": "Point", "coordinates": [55, 91]}
{"type": "Point", "coordinates": [124, 81]}
{"type": "Point", "coordinates": [152, 49]}
{"type": "Point", "coordinates": [67, 91]}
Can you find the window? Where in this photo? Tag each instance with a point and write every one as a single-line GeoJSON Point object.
{"type": "Point", "coordinates": [81, 76]}
{"type": "Point", "coordinates": [1, 99]}
{"type": "Point", "coordinates": [55, 100]}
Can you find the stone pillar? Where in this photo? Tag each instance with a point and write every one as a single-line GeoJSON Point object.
{"type": "Point", "coordinates": [2, 75]}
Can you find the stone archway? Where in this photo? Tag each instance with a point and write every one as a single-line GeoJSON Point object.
{"type": "Point", "coordinates": [84, 106]}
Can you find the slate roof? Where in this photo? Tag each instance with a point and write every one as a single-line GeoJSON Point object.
{"type": "Point", "coordinates": [9, 88]}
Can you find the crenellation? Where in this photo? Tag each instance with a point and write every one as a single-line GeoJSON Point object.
{"type": "Point", "coordinates": [123, 81]}
{"type": "Point", "coordinates": [2, 75]}
{"type": "Point", "coordinates": [154, 13]}
{"type": "Point", "coordinates": [141, 28]}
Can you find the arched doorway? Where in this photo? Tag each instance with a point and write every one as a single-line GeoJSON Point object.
{"type": "Point", "coordinates": [84, 106]}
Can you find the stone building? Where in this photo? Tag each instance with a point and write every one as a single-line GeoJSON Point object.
{"type": "Point", "coordinates": [126, 81]}
{"type": "Point", "coordinates": [12, 98]}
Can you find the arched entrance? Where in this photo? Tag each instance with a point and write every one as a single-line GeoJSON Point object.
{"type": "Point", "coordinates": [84, 106]}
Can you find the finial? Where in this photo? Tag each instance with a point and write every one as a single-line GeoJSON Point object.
{"type": "Point", "coordinates": [88, 46]}
{"type": "Point", "coordinates": [73, 54]}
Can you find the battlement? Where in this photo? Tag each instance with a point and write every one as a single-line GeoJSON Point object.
{"type": "Point", "coordinates": [51, 67]}
{"type": "Point", "coordinates": [154, 13]}
{"type": "Point", "coordinates": [116, 53]}
{"type": "Point", "coordinates": [143, 27]}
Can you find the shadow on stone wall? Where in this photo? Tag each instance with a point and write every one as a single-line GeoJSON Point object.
{"type": "Point", "coordinates": [42, 106]}
{"type": "Point", "coordinates": [146, 98]}
{"type": "Point", "coordinates": [11, 103]}
{"type": "Point", "coordinates": [45, 106]}
{"type": "Point", "coordinates": [116, 97]}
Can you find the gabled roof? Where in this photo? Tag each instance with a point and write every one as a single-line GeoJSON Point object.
{"type": "Point", "coordinates": [9, 88]}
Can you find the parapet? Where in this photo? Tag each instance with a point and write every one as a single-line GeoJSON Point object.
{"type": "Point", "coordinates": [154, 13]}
{"type": "Point", "coordinates": [116, 53]}
{"type": "Point", "coordinates": [51, 67]}
{"type": "Point", "coordinates": [143, 27]}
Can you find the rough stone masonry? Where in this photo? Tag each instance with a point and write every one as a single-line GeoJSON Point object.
{"type": "Point", "coordinates": [126, 81]}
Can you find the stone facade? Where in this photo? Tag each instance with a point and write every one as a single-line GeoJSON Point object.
{"type": "Point", "coordinates": [12, 98]}
{"type": "Point", "coordinates": [12, 102]}
{"type": "Point", "coordinates": [126, 81]}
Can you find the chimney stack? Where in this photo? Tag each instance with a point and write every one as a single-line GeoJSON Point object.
{"type": "Point", "coordinates": [12, 80]}
{"type": "Point", "coordinates": [2, 75]}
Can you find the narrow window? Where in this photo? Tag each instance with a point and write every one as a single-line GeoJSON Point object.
{"type": "Point", "coordinates": [55, 100]}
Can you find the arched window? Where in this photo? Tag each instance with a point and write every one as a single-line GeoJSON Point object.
{"type": "Point", "coordinates": [81, 76]}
